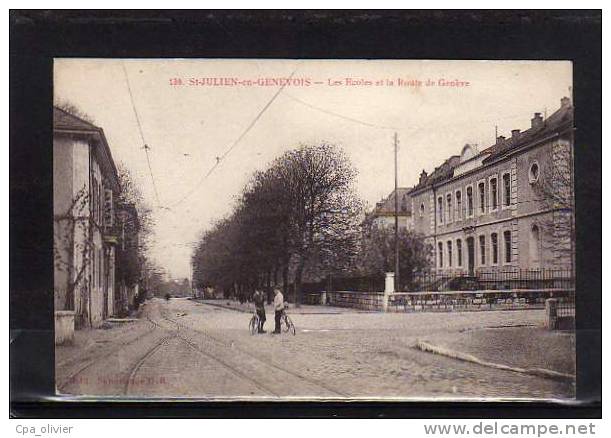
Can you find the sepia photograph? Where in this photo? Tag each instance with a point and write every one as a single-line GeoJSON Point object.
{"type": "Point", "coordinates": [297, 229]}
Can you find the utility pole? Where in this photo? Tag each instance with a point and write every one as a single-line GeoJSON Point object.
{"type": "Point", "coordinates": [396, 218]}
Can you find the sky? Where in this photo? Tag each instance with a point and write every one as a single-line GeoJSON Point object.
{"type": "Point", "coordinates": [207, 137]}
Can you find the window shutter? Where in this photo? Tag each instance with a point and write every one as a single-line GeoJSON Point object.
{"type": "Point", "coordinates": [109, 213]}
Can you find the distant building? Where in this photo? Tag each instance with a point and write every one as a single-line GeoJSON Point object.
{"type": "Point", "coordinates": [506, 207]}
{"type": "Point", "coordinates": [85, 187]}
{"type": "Point", "coordinates": [383, 215]}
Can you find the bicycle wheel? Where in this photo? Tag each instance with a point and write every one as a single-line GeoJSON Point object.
{"type": "Point", "coordinates": [254, 325]}
{"type": "Point", "coordinates": [290, 327]}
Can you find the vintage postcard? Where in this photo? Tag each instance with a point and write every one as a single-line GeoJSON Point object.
{"type": "Point", "coordinates": [314, 229]}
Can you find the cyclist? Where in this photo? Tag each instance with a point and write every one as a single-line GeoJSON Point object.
{"type": "Point", "coordinates": [259, 300]}
{"type": "Point", "coordinates": [278, 307]}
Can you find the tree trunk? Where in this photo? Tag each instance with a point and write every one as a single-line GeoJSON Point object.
{"type": "Point", "coordinates": [285, 279]}
{"type": "Point", "coordinates": [298, 290]}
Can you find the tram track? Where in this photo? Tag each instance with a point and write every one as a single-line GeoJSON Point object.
{"type": "Point", "coordinates": [72, 377]}
{"type": "Point", "coordinates": [266, 363]}
{"type": "Point", "coordinates": [176, 335]}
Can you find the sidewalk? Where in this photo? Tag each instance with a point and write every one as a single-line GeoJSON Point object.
{"type": "Point", "coordinates": [305, 309]}
{"type": "Point", "coordinates": [527, 348]}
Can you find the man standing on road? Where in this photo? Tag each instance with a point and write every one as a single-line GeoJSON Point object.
{"type": "Point", "coordinates": [259, 300]}
{"type": "Point", "coordinates": [278, 307]}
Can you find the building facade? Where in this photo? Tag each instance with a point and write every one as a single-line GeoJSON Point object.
{"type": "Point", "coordinates": [383, 215]}
{"type": "Point", "coordinates": [85, 187]}
{"type": "Point", "coordinates": [505, 208]}
{"type": "Point", "coordinates": [127, 256]}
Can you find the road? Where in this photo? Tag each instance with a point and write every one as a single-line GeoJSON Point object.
{"type": "Point", "coordinates": [181, 348]}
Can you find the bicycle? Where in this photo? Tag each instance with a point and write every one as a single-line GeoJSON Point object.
{"type": "Point", "coordinates": [253, 326]}
{"type": "Point", "coordinates": [288, 323]}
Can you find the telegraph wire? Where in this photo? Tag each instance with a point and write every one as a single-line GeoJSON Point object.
{"type": "Point", "coordinates": [220, 158]}
{"type": "Point", "coordinates": [341, 116]}
{"type": "Point", "coordinates": [146, 147]}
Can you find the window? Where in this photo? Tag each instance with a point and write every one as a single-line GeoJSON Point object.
{"type": "Point", "coordinates": [458, 205]}
{"type": "Point", "coordinates": [94, 199]}
{"type": "Point", "coordinates": [458, 252]}
{"type": "Point", "coordinates": [449, 206]}
{"type": "Point", "coordinates": [481, 189]}
{"type": "Point", "coordinates": [99, 268]}
{"type": "Point", "coordinates": [100, 197]}
{"type": "Point", "coordinates": [93, 268]}
{"type": "Point", "coordinates": [534, 245]}
{"type": "Point", "coordinates": [440, 254]}
{"type": "Point", "coordinates": [440, 209]}
{"type": "Point", "coordinates": [469, 201]}
{"type": "Point", "coordinates": [421, 209]}
{"type": "Point", "coordinates": [494, 240]}
{"type": "Point", "coordinates": [533, 173]}
{"type": "Point", "coordinates": [450, 253]}
{"type": "Point", "coordinates": [507, 236]}
{"type": "Point", "coordinates": [482, 250]}
{"type": "Point", "coordinates": [506, 190]}
{"type": "Point", "coordinates": [494, 194]}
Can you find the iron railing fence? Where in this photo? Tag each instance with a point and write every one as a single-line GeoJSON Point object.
{"type": "Point", "coordinates": [566, 306]}
{"type": "Point", "coordinates": [531, 279]}
{"type": "Point", "coordinates": [358, 283]}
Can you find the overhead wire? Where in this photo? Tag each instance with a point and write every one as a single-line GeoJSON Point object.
{"type": "Point", "coordinates": [140, 130]}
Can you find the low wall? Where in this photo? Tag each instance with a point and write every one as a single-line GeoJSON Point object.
{"type": "Point", "coordinates": [356, 300]}
{"type": "Point", "coordinates": [448, 301]}
{"type": "Point", "coordinates": [475, 300]}
{"type": "Point", "coordinates": [64, 327]}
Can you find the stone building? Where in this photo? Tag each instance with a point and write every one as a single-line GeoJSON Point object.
{"type": "Point", "coordinates": [85, 187]}
{"type": "Point", "coordinates": [383, 215]}
{"type": "Point", "coordinates": [506, 207]}
{"type": "Point", "coordinates": [127, 256]}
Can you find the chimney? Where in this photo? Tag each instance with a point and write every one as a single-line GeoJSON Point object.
{"type": "Point", "coordinates": [536, 121]}
{"type": "Point", "coordinates": [423, 176]}
{"type": "Point", "coordinates": [515, 133]}
{"type": "Point", "coordinates": [565, 102]}
{"type": "Point", "coordinates": [500, 139]}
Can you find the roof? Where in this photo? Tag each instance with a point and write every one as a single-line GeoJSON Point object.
{"type": "Point", "coordinates": [65, 122]}
{"type": "Point", "coordinates": [441, 173]}
{"type": "Point", "coordinates": [556, 123]}
{"type": "Point", "coordinates": [387, 205]}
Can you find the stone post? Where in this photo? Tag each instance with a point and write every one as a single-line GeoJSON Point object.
{"type": "Point", "coordinates": [64, 327]}
{"type": "Point", "coordinates": [389, 288]}
{"type": "Point", "coordinates": [323, 298]}
{"type": "Point", "coordinates": [551, 313]}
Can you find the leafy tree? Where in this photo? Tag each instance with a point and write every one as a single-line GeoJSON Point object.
{"type": "Point", "coordinates": [377, 254]}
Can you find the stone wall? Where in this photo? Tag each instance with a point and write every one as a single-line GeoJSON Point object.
{"type": "Point", "coordinates": [357, 300]}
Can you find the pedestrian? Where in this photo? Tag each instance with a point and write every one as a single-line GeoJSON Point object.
{"type": "Point", "coordinates": [259, 300]}
{"type": "Point", "coordinates": [278, 307]}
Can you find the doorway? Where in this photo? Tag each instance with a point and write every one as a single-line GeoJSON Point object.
{"type": "Point", "coordinates": [471, 256]}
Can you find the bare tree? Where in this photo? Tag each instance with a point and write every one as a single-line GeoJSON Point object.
{"type": "Point", "coordinates": [71, 254]}
{"type": "Point", "coordinates": [318, 180]}
{"type": "Point", "coordinates": [300, 213]}
{"type": "Point", "coordinates": [554, 187]}
{"type": "Point", "coordinates": [73, 109]}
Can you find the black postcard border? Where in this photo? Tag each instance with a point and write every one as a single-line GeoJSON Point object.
{"type": "Point", "coordinates": [36, 37]}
